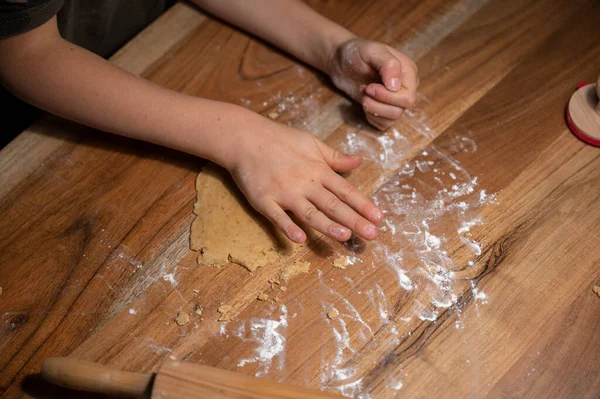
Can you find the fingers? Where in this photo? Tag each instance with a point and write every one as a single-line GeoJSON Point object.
{"type": "Point", "coordinates": [379, 122]}
{"type": "Point", "coordinates": [279, 218]}
{"type": "Point", "coordinates": [410, 80]}
{"type": "Point", "coordinates": [401, 98]}
{"type": "Point", "coordinates": [337, 160]}
{"type": "Point", "coordinates": [389, 67]}
{"type": "Point", "coordinates": [410, 71]}
{"type": "Point", "coordinates": [377, 108]}
{"type": "Point", "coordinates": [350, 195]}
{"type": "Point", "coordinates": [310, 215]}
{"type": "Point", "coordinates": [339, 211]}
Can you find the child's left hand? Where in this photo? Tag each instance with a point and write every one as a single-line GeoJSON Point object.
{"type": "Point", "coordinates": [381, 78]}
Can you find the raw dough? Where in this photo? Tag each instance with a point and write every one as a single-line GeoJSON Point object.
{"type": "Point", "coordinates": [596, 289]}
{"type": "Point", "coordinates": [341, 263]}
{"type": "Point", "coordinates": [333, 314]}
{"type": "Point", "coordinates": [228, 230]}
{"type": "Point", "coordinates": [182, 318]}
{"type": "Point", "coordinates": [198, 310]}
{"type": "Point", "coordinates": [224, 311]}
{"type": "Point", "coordinates": [262, 297]}
{"type": "Point", "coordinates": [293, 269]}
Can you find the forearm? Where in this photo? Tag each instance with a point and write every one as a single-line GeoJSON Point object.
{"type": "Point", "coordinates": [288, 24]}
{"type": "Point", "coordinates": [71, 82]}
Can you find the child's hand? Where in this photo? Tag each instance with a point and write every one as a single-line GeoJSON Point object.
{"type": "Point", "coordinates": [382, 79]}
{"type": "Point", "coordinates": [284, 169]}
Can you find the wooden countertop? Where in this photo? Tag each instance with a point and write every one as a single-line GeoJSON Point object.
{"type": "Point", "coordinates": [481, 285]}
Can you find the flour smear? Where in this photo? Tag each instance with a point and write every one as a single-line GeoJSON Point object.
{"type": "Point", "coordinates": [431, 204]}
{"type": "Point", "coordinates": [269, 336]}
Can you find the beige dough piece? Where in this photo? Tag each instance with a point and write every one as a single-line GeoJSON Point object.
{"type": "Point", "coordinates": [224, 313]}
{"type": "Point", "coordinates": [333, 314]}
{"type": "Point", "coordinates": [293, 269]}
{"type": "Point", "coordinates": [262, 297]}
{"type": "Point", "coordinates": [182, 318]}
{"type": "Point", "coordinates": [596, 289]}
{"type": "Point", "coordinates": [227, 229]}
{"type": "Point", "coordinates": [198, 310]}
{"type": "Point", "coordinates": [341, 263]}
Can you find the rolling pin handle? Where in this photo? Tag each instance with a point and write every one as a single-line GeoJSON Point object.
{"type": "Point", "coordinates": [92, 377]}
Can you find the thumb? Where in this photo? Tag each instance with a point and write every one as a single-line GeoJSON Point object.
{"type": "Point", "coordinates": [339, 161]}
{"type": "Point", "coordinates": [388, 66]}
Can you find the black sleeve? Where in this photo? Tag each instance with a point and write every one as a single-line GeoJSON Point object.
{"type": "Point", "coordinates": [20, 16]}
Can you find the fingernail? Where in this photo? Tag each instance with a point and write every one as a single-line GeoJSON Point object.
{"type": "Point", "coordinates": [394, 84]}
{"type": "Point", "coordinates": [370, 230]}
{"type": "Point", "coordinates": [297, 236]}
{"type": "Point", "coordinates": [338, 231]}
{"type": "Point", "coordinates": [365, 106]}
{"type": "Point", "coordinates": [376, 215]}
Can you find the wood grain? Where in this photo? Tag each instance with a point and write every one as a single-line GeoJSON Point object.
{"type": "Point", "coordinates": [95, 259]}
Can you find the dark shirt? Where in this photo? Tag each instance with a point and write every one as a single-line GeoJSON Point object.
{"type": "Point", "coordinates": [101, 26]}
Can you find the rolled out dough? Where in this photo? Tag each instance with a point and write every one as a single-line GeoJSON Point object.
{"type": "Point", "coordinates": [228, 230]}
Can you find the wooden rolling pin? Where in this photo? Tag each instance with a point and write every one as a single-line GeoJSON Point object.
{"type": "Point", "coordinates": [174, 380]}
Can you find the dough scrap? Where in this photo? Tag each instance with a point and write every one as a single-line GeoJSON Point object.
{"type": "Point", "coordinates": [182, 318]}
{"type": "Point", "coordinates": [226, 228]}
{"type": "Point", "coordinates": [333, 314]}
{"type": "Point", "coordinates": [344, 261]}
{"type": "Point", "coordinates": [596, 289]}
{"type": "Point", "coordinates": [262, 297]}
{"type": "Point", "coordinates": [198, 310]}
{"type": "Point", "coordinates": [341, 263]}
{"type": "Point", "coordinates": [224, 313]}
{"type": "Point", "coordinates": [293, 269]}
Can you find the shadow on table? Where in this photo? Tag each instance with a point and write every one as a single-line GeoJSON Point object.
{"type": "Point", "coordinates": [71, 132]}
{"type": "Point", "coordinates": [34, 386]}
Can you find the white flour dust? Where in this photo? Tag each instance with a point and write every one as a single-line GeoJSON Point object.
{"type": "Point", "coordinates": [419, 214]}
{"type": "Point", "coordinates": [431, 204]}
{"type": "Point", "coordinates": [270, 339]}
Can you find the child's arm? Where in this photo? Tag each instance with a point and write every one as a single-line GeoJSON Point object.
{"type": "Point", "coordinates": [382, 79]}
{"type": "Point", "coordinates": [278, 168]}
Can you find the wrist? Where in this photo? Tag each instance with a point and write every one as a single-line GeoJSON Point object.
{"type": "Point", "coordinates": [331, 46]}
{"type": "Point", "coordinates": [237, 131]}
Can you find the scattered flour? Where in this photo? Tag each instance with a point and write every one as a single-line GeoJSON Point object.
{"type": "Point", "coordinates": [271, 342]}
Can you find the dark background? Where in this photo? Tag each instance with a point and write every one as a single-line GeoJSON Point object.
{"type": "Point", "coordinates": [101, 26]}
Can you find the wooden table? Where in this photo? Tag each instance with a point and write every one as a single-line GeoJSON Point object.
{"type": "Point", "coordinates": [480, 285]}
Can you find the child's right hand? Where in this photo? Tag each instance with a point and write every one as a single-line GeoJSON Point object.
{"type": "Point", "coordinates": [284, 169]}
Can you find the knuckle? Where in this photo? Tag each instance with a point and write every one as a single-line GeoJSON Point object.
{"type": "Point", "coordinates": [332, 204]}
{"type": "Point", "coordinates": [310, 213]}
{"type": "Point", "coordinates": [356, 222]}
{"type": "Point", "coordinates": [347, 191]}
{"type": "Point", "coordinates": [382, 95]}
{"type": "Point", "coordinates": [280, 218]}
{"type": "Point", "coordinates": [396, 113]}
{"type": "Point", "coordinates": [391, 63]}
